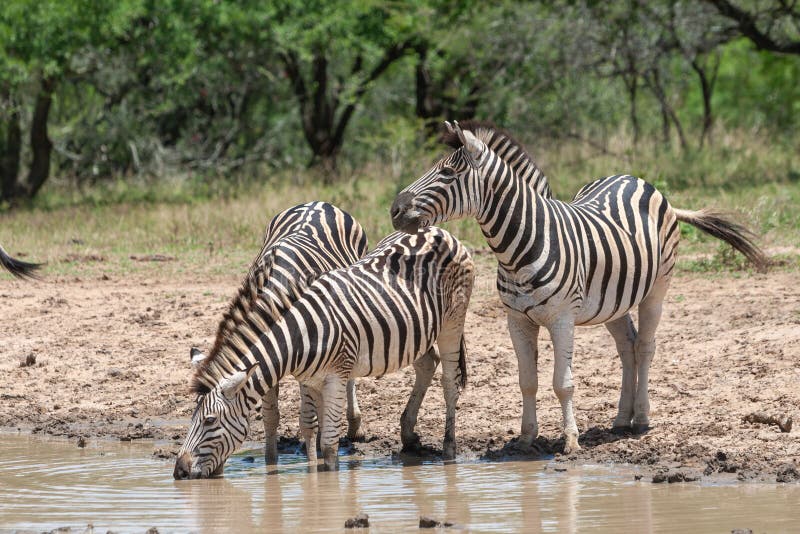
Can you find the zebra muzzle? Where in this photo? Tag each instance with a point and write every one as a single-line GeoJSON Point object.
{"type": "Point", "coordinates": [183, 467]}
{"type": "Point", "coordinates": [404, 217]}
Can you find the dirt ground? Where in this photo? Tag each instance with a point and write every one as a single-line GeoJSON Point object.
{"type": "Point", "coordinates": [112, 361]}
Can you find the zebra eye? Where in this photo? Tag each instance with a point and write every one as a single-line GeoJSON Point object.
{"type": "Point", "coordinates": [447, 174]}
{"type": "Point", "coordinates": [210, 420]}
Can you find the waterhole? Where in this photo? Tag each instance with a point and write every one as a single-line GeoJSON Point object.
{"type": "Point", "coordinates": [48, 483]}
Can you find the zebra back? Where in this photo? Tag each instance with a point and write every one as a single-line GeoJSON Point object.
{"type": "Point", "coordinates": [300, 243]}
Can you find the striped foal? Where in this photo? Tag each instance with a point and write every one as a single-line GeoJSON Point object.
{"type": "Point", "coordinates": [384, 312]}
{"type": "Point", "coordinates": [300, 243]}
{"type": "Point", "coordinates": [590, 261]}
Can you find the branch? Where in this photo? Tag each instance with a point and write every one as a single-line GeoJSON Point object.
{"type": "Point", "coordinates": [391, 55]}
{"type": "Point", "coordinates": [746, 23]}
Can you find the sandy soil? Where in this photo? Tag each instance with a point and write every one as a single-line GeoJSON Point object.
{"type": "Point", "coordinates": [112, 361]}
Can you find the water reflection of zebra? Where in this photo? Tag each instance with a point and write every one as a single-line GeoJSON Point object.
{"type": "Point", "coordinates": [382, 313]}
{"type": "Point", "coordinates": [18, 268]}
{"type": "Point", "coordinates": [590, 261]}
{"type": "Point", "coordinates": [299, 244]}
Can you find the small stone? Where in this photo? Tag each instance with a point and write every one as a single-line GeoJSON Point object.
{"type": "Point", "coordinates": [248, 459]}
{"type": "Point", "coordinates": [359, 521]}
{"type": "Point", "coordinates": [114, 372]}
{"type": "Point", "coordinates": [81, 442]}
{"type": "Point", "coordinates": [428, 522]}
{"type": "Point", "coordinates": [152, 530]}
{"type": "Point", "coordinates": [637, 477]}
{"type": "Point", "coordinates": [29, 361]}
{"type": "Point", "coordinates": [742, 531]}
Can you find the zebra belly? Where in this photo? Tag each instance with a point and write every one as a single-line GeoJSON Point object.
{"type": "Point", "coordinates": [376, 363]}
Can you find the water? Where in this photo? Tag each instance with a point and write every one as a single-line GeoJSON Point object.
{"type": "Point", "coordinates": [46, 484]}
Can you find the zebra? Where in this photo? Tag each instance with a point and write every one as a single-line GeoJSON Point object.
{"type": "Point", "coordinates": [18, 268]}
{"type": "Point", "coordinates": [299, 244]}
{"type": "Point", "coordinates": [382, 313]}
{"type": "Point", "coordinates": [589, 261]}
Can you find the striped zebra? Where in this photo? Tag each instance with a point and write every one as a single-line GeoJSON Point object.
{"type": "Point", "coordinates": [589, 261]}
{"type": "Point", "coordinates": [384, 312]}
{"type": "Point", "coordinates": [18, 268]}
{"type": "Point", "coordinates": [300, 243]}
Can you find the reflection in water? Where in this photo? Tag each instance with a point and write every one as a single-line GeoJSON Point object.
{"type": "Point", "coordinates": [46, 484]}
{"type": "Point", "coordinates": [214, 503]}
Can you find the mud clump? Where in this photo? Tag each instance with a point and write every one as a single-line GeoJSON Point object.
{"type": "Point", "coordinates": [721, 464]}
{"type": "Point", "coordinates": [787, 473]}
{"type": "Point", "coordinates": [782, 421]}
{"type": "Point", "coordinates": [359, 521]}
{"type": "Point", "coordinates": [429, 522]}
{"type": "Point", "coordinates": [675, 475]}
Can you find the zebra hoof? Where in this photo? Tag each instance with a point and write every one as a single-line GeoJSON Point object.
{"type": "Point", "coordinates": [621, 430]}
{"type": "Point", "coordinates": [411, 444]}
{"type": "Point", "coordinates": [640, 428]}
{"type": "Point", "coordinates": [357, 434]}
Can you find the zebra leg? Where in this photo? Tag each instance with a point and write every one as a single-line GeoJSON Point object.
{"type": "Point", "coordinates": [424, 368]}
{"type": "Point", "coordinates": [645, 348]}
{"type": "Point", "coordinates": [354, 430]}
{"type": "Point", "coordinates": [334, 394]}
{"type": "Point", "coordinates": [562, 332]}
{"type": "Point", "coordinates": [310, 405]}
{"type": "Point", "coordinates": [624, 334]}
{"type": "Point", "coordinates": [524, 337]}
{"type": "Point", "coordinates": [450, 355]}
{"type": "Point", "coordinates": [271, 416]}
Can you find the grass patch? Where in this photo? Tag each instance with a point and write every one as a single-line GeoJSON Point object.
{"type": "Point", "coordinates": [213, 227]}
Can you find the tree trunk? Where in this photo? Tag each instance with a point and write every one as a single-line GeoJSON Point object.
{"type": "Point", "coordinates": [707, 87]}
{"type": "Point", "coordinates": [10, 150]}
{"type": "Point", "coordinates": [41, 146]}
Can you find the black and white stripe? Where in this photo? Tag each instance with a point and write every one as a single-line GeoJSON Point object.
{"type": "Point", "coordinates": [300, 243]}
{"type": "Point", "coordinates": [561, 264]}
{"type": "Point", "coordinates": [384, 312]}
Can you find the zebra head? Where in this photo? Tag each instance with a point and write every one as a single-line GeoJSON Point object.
{"type": "Point", "coordinates": [219, 425]}
{"type": "Point", "coordinates": [450, 190]}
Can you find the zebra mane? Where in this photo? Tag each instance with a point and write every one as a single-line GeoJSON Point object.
{"type": "Point", "coordinates": [259, 303]}
{"type": "Point", "coordinates": [506, 147]}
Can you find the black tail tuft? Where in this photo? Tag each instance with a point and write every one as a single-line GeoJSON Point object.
{"type": "Point", "coordinates": [462, 362]}
{"type": "Point", "coordinates": [18, 268]}
{"type": "Point", "coordinates": [722, 227]}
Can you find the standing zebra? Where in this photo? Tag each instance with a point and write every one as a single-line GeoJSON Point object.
{"type": "Point", "coordinates": [300, 243]}
{"type": "Point", "coordinates": [562, 264]}
{"type": "Point", "coordinates": [382, 313]}
{"type": "Point", "coordinates": [18, 268]}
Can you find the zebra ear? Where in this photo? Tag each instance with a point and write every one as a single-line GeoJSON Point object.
{"type": "Point", "coordinates": [449, 127]}
{"type": "Point", "coordinates": [472, 144]}
{"type": "Point", "coordinates": [196, 357]}
{"type": "Point", "coordinates": [233, 384]}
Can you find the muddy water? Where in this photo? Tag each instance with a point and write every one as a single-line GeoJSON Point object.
{"type": "Point", "coordinates": [46, 484]}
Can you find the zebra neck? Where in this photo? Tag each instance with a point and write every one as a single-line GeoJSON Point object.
{"type": "Point", "coordinates": [520, 163]}
{"type": "Point", "coordinates": [511, 212]}
{"type": "Point", "coordinates": [274, 353]}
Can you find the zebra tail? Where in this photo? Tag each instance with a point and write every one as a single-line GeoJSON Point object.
{"type": "Point", "coordinates": [462, 362]}
{"type": "Point", "coordinates": [716, 224]}
{"type": "Point", "coordinates": [18, 268]}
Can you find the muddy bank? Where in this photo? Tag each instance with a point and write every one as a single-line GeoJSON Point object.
{"type": "Point", "coordinates": [111, 361]}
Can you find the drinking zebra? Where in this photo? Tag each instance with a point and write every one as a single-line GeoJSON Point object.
{"type": "Point", "coordinates": [384, 312]}
{"type": "Point", "coordinates": [585, 262]}
{"type": "Point", "coordinates": [18, 268]}
{"type": "Point", "coordinates": [300, 243]}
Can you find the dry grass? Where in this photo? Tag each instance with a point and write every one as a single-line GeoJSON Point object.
{"type": "Point", "coordinates": [219, 230]}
